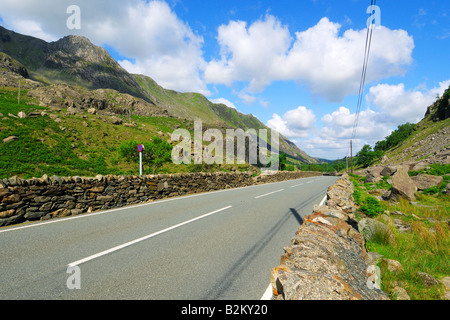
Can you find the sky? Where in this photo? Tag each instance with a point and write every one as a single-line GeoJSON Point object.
{"type": "Point", "coordinates": [294, 64]}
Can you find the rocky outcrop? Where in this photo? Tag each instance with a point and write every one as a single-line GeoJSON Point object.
{"type": "Point", "coordinates": [75, 99]}
{"type": "Point", "coordinates": [53, 197]}
{"type": "Point", "coordinates": [327, 259]}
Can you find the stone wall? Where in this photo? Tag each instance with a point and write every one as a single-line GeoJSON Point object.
{"type": "Point", "coordinates": [54, 197]}
{"type": "Point", "coordinates": [327, 259]}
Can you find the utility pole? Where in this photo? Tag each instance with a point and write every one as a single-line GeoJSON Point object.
{"type": "Point", "coordinates": [351, 155]}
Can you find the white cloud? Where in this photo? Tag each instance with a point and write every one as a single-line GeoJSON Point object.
{"type": "Point", "coordinates": [295, 123]}
{"type": "Point", "coordinates": [224, 101]}
{"type": "Point", "coordinates": [401, 105]}
{"type": "Point", "coordinates": [148, 32]}
{"type": "Point", "coordinates": [328, 63]}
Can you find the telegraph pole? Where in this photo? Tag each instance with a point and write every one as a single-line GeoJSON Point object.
{"type": "Point", "coordinates": [351, 155]}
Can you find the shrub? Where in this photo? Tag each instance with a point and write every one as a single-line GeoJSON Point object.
{"type": "Point", "coordinates": [371, 206]}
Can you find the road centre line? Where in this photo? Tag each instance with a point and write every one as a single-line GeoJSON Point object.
{"type": "Point", "coordinates": [298, 185]}
{"type": "Point", "coordinates": [100, 254]}
{"type": "Point", "coordinates": [268, 194]}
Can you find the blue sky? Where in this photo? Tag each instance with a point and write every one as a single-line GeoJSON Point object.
{"type": "Point", "coordinates": [294, 64]}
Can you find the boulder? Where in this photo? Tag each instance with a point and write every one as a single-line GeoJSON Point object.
{"type": "Point", "coordinates": [400, 293]}
{"type": "Point", "coordinates": [427, 279]}
{"type": "Point", "coordinates": [393, 265]}
{"type": "Point", "coordinates": [373, 174]}
{"type": "Point", "coordinates": [388, 171]}
{"type": "Point", "coordinates": [402, 185]}
{"type": "Point", "coordinates": [425, 181]}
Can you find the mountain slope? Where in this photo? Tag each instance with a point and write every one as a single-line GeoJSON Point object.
{"type": "Point", "coordinates": [73, 64]}
{"type": "Point", "coordinates": [430, 141]}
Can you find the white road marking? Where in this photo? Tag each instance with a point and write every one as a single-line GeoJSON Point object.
{"type": "Point", "coordinates": [298, 185]}
{"type": "Point", "coordinates": [268, 194]}
{"type": "Point", "coordinates": [323, 201]}
{"type": "Point", "coordinates": [268, 293]}
{"type": "Point", "coordinates": [100, 254]}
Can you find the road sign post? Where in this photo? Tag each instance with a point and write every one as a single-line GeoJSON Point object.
{"type": "Point", "coordinates": [140, 149]}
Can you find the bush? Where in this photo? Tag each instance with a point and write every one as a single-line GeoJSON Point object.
{"type": "Point", "coordinates": [156, 153]}
{"type": "Point", "coordinates": [371, 206]}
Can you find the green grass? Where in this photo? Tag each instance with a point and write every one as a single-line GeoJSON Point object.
{"type": "Point", "coordinates": [426, 248]}
{"type": "Point", "coordinates": [70, 148]}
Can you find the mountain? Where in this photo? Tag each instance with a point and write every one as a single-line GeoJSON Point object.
{"type": "Point", "coordinates": [73, 72]}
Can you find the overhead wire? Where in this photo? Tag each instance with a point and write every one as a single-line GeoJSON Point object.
{"type": "Point", "coordinates": [368, 45]}
{"type": "Point", "coordinates": [364, 70]}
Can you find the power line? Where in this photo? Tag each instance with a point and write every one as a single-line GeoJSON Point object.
{"type": "Point", "coordinates": [363, 79]}
{"type": "Point", "coordinates": [364, 70]}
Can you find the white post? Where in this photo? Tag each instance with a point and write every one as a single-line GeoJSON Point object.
{"type": "Point", "coordinates": [140, 163]}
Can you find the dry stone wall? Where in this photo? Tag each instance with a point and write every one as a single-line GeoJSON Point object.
{"type": "Point", "coordinates": [327, 259]}
{"type": "Point", "coordinates": [54, 197]}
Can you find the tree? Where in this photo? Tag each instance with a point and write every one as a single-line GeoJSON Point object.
{"type": "Point", "coordinates": [395, 138]}
{"type": "Point", "coordinates": [366, 156]}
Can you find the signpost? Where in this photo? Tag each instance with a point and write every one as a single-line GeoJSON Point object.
{"type": "Point", "coordinates": [140, 149]}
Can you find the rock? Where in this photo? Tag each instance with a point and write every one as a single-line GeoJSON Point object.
{"type": "Point", "coordinates": [402, 186]}
{"type": "Point", "coordinates": [388, 171]}
{"type": "Point", "coordinates": [425, 181]}
{"type": "Point", "coordinates": [372, 230]}
{"type": "Point", "coordinates": [115, 120]}
{"type": "Point", "coordinates": [393, 265]}
{"type": "Point", "coordinates": [446, 282]}
{"type": "Point", "coordinates": [330, 212]}
{"type": "Point", "coordinates": [427, 279]}
{"type": "Point", "coordinates": [400, 293]}
{"type": "Point", "coordinates": [7, 214]}
{"type": "Point", "coordinates": [373, 175]}
{"type": "Point", "coordinates": [10, 139]}
{"type": "Point", "coordinates": [326, 261]}
{"type": "Point", "coordinates": [71, 110]}
{"type": "Point", "coordinates": [22, 115]}
{"type": "Point", "coordinates": [447, 188]}
{"type": "Point", "coordinates": [92, 110]}
{"type": "Point", "coordinates": [75, 212]}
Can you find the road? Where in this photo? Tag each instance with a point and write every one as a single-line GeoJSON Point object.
{"type": "Point", "coordinates": [214, 246]}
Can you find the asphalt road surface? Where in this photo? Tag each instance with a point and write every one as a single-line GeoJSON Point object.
{"type": "Point", "coordinates": [213, 246]}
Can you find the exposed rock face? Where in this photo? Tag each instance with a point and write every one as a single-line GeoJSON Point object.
{"type": "Point", "coordinates": [108, 100]}
{"type": "Point", "coordinates": [327, 259]}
